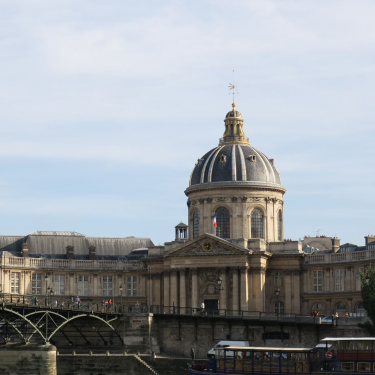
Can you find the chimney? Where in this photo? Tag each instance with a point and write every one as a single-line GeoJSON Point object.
{"type": "Point", "coordinates": [25, 250]}
{"type": "Point", "coordinates": [370, 238]}
{"type": "Point", "coordinates": [92, 253]}
{"type": "Point", "coordinates": [70, 252]}
{"type": "Point", "coordinates": [335, 244]}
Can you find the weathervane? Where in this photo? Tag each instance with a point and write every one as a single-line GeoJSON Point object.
{"type": "Point", "coordinates": [233, 88]}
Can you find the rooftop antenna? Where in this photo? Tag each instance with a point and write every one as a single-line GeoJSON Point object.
{"type": "Point", "coordinates": [233, 88]}
{"type": "Point", "coordinates": [317, 232]}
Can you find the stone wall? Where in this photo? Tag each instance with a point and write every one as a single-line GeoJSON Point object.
{"type": "Point", "coordinates": [27, 360]}
{"type": "Point", "coordinates": [177, 339]}
{"type": "Point", "coordinates": [100, 365]}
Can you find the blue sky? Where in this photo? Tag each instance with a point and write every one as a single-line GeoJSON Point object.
{"type": "Point", "coordinates": [106, 106]}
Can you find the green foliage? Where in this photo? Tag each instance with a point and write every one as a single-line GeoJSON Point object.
{"type": "Point", "coordinates": [368, 299]}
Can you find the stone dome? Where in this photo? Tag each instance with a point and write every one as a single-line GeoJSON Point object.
{"type": "Point", "coordinates": [234, 161]}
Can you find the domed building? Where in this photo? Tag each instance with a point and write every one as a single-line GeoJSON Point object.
{"type": "Point", "coordinates": [239, 184]}
{"type": "Point", "coordinates": [232, 255]}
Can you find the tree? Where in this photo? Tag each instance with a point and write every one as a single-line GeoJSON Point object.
{"type": "Point", "coordinates": [368, 299]}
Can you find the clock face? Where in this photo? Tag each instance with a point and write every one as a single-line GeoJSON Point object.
{"type": "Point", "coordinates": [207, 246]}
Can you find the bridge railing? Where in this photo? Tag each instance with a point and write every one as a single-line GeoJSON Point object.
{"type": "Point", "coordinates": [240, 314]}
{"type": "Point", "coordinates": [61, 303]}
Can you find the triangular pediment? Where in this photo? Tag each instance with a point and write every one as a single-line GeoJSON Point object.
{"type": "Point", "coordinates": [206, 245]}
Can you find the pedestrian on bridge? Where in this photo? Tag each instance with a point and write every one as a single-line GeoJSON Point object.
{"type": "Point", "coordinates": [192, 354]}
{"type": "Point", "coordinates": [77, 301]}
{"type": "Point", "coordinates": [33, 300]}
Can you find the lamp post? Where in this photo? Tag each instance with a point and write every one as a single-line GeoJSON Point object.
{"type": "Point", "coordinates": [121, 295]}
{"type": "Point", "coordinates": [51, 293]}
{"type": "Point", "coordinates": [46, 280]}
{"type": "Point", "coordinates": [277, 293]}
{"type": "Point", "coordinates": [219, 283]}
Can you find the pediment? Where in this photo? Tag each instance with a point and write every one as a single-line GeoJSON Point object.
{"type": "Point", "coordinates": [206, 245]}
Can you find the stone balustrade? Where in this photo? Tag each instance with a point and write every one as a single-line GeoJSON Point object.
{"type": "Point", "coordinates": [70, 264]}
{"type": "Point", "coordinates": [340, 257]}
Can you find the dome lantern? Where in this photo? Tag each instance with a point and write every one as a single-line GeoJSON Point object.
{"type": "Point", "coordinates": [234, 132]}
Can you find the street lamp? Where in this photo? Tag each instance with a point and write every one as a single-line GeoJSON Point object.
{"type": "Point", "coordinates": [367, 278]}
{"type": "Point", "coordinates": [46, 280]}
{"type": "Point", "coordinates": [219, 283]}
{"type": "Point", "coordinates": [277, 293]}
{"type": "Point", "coordinates": [121, 295]}
{"type": "Point", "coordinates": [51, 293]}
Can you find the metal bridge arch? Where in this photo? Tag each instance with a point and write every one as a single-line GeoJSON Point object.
{"type": "Point", "coordinates": [47, 318]}
{"type": "Point", "coordinates": [24, 318]}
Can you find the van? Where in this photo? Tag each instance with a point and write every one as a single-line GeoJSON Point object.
{"type": "Point", "coordinates": [224, 344]}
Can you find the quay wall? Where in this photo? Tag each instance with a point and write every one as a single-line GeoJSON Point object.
{"type": "Point", "coordinates": [28, 360]}
{"type": "Point", "coordinates": [176, 338]}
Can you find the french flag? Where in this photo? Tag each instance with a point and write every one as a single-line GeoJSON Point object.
{"type": "Point", "coordinates": [215, 223]}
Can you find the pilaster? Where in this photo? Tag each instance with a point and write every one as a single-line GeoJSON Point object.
{"type": "Point", "coordinates": [244, 288]}
{"type": "Point", "coordinates": [174, 293]}
{"type": "Point", "coordinates": [166, 288]}
{"type": "Point", "coordinates": [234, 272]}
{"type": "Point", "coordinates": [182, 287]}
{"type": "Point", "coordinates": [194, 288]}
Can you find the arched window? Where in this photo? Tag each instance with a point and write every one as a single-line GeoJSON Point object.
{"type": "Point", "coordinates": [280, 225]}
{"type": "Point", "coordinates": [360, 310]}
{"type": "Point", "coordinates": [196, 224]}
{"type": "Point", "coordinates": [341, 309]}
{"type": "Point", "coordinates": [257, 224]}
{"type": "Point", "coordinates": [223, 223]}
{"type": "Point", "coordinates": [279, 279]}
{"type": "Point", "coordinates": [319, 308]}
{"type": "Point", "coordinates": [279, 307]}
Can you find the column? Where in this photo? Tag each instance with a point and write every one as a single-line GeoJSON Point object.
{"type": "Point", "coordinates": [258, 288]}
{"type": "Point", "coordinates": [223, 292]}
{"type": "Point", "coordinates": [194, 288]}
{"type": "Point", "coordinates": [249, 286]}
{"type": "Point", "coordinates": [288, 291]}
{"type": "Point", "coordinates": [71, 286]}
{"type": "Point", "coordinates": [182, 288]}
{"type": "Point", "coordinates": [66, 285]}
{"type": "Point", "coordinates": [296, 292]}
{"type": "Point", "coordinates": [156, 289]}
{"type": "Point", "coordinates": [22, 282]}
{"type": "Point", "coordinates": [234, 271]}
{"type": "Point", "coordinates": [244, 289]}
{"type": "Point", "coordinates": [174, 300]}
{"type": "Point", "coordinates": [167, 292]}
{"type": "Point", "coordinates": [95, 290]}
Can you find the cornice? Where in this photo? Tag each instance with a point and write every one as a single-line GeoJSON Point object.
{"type": "Point", "coordinates": [248, 185]}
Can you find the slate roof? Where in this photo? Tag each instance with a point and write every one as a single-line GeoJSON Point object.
{"type": "Point", "coordinates": [236, 167]}
{"type": "Point", "coordinates": [55, 244]}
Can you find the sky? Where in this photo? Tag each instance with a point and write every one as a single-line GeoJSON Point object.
{"type": "Point", "coordinates": [105, 106]}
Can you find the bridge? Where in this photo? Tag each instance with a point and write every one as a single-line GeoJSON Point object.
{"type": "Point", "coordinates": [24, 318]}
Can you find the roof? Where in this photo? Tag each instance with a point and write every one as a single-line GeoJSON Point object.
{"type": "Point", "coordinates": [266, 348]}
{"type": "Point", "coordinates": [54, 233]}
{"type": "Point", "coordinates": [56, 243]}
{"type": "Point", "coordinates": [234, 161]}
{"type": "Point", "coordinates": [349, 339]}
{"type": "Point", "coordinates": [233, 164]}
